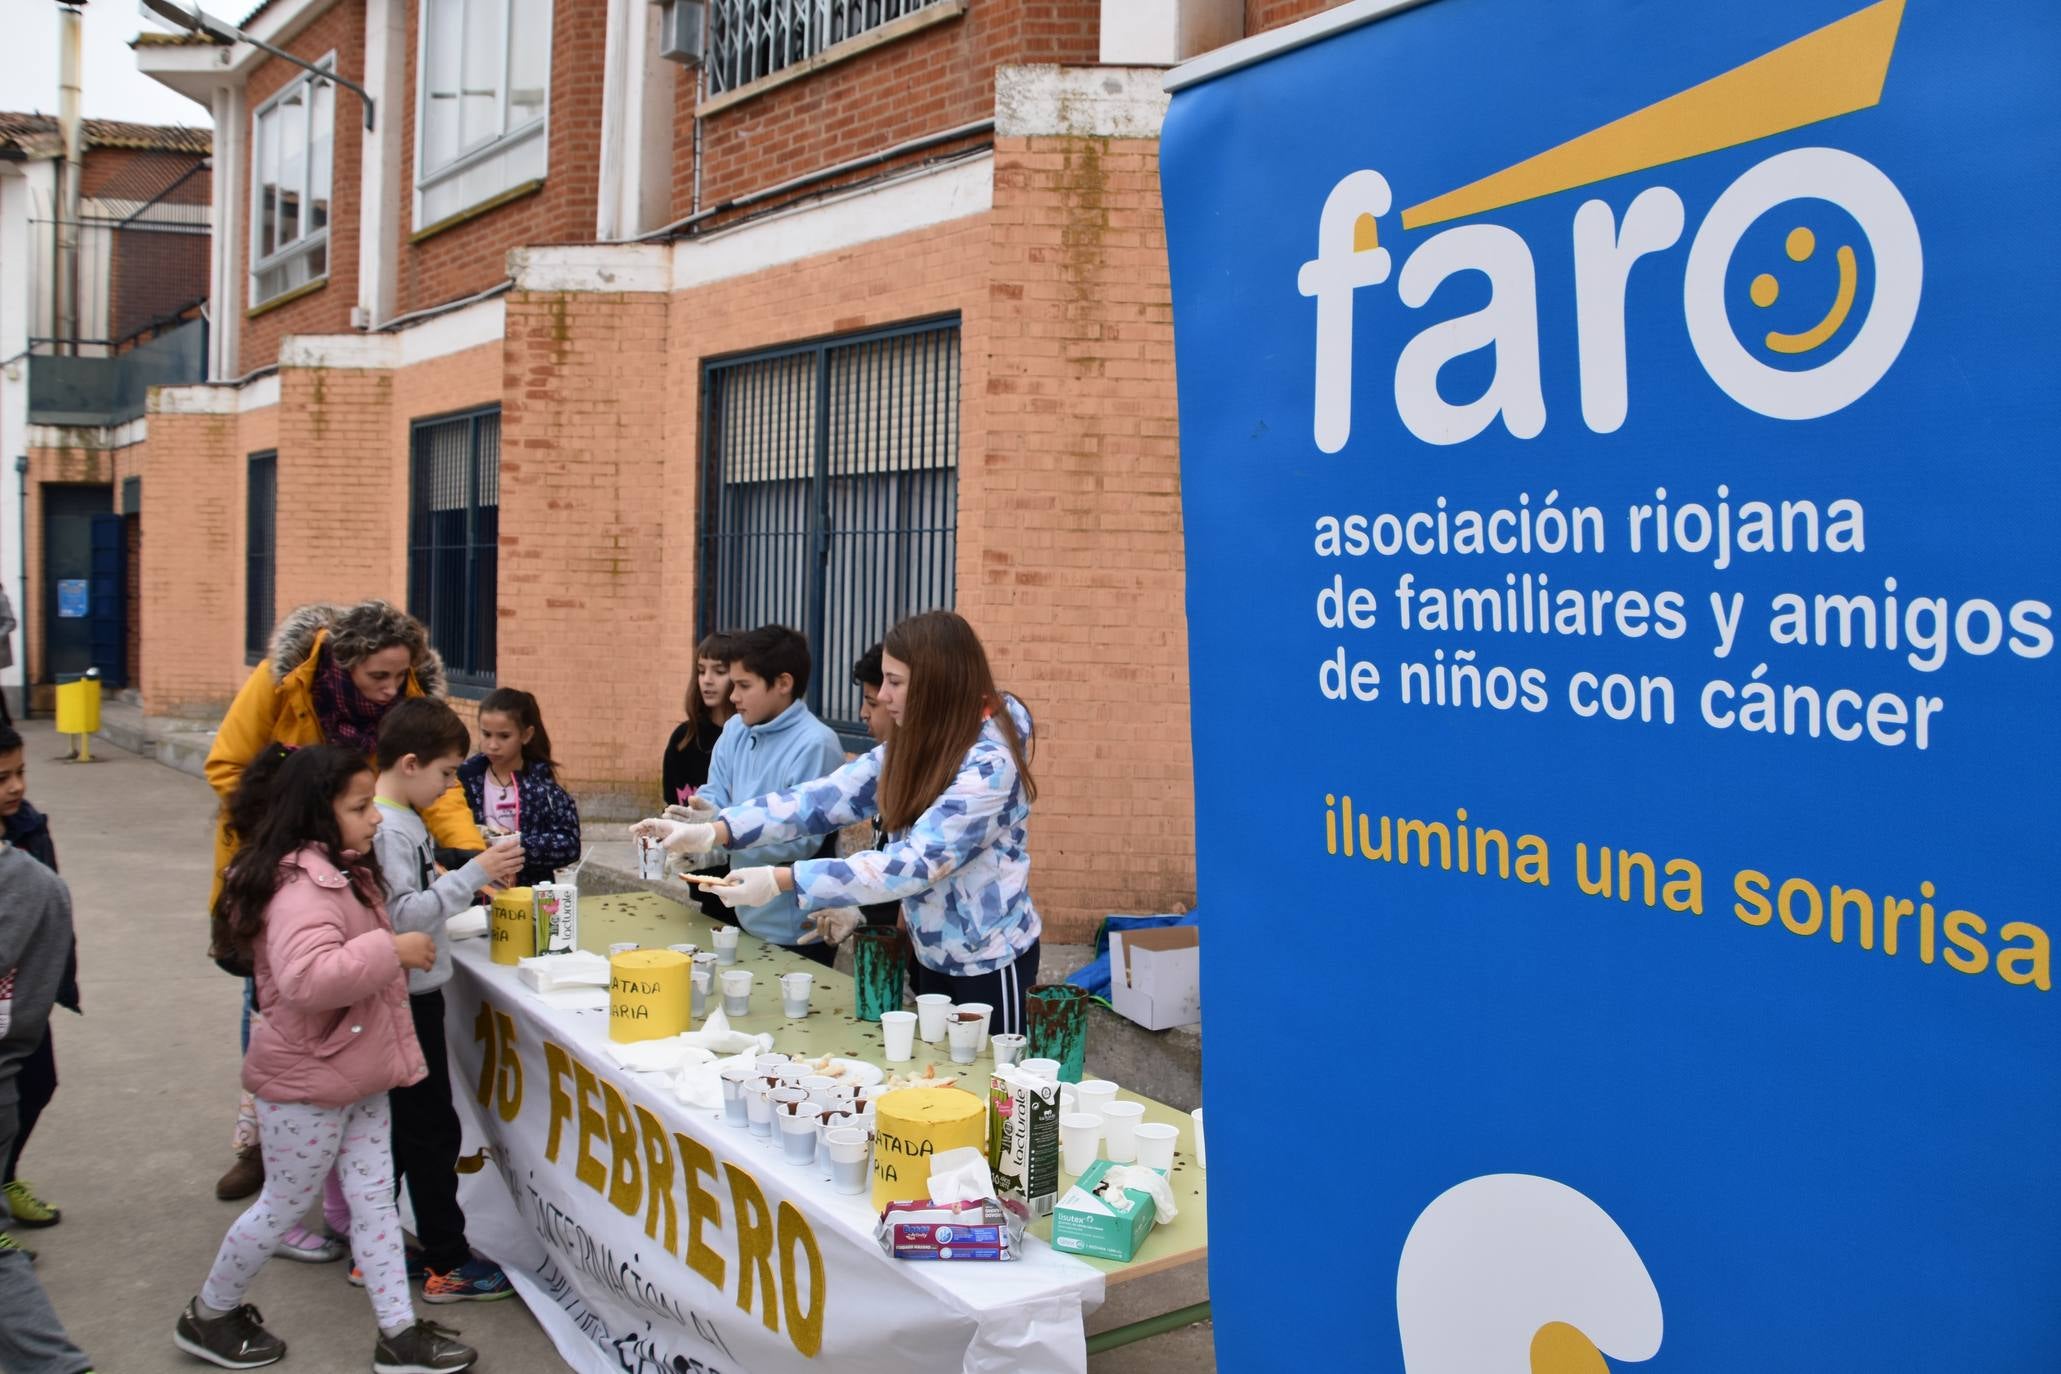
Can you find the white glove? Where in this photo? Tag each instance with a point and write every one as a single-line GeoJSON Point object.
{"type": "Point", "coordinates": [832, 927]}
{"type": "Point", "coordinates": [748, 887]}
{"type": "Point", "coordinates": [698, 810]}
{"type": "Point", "coordinates": [678, 837]}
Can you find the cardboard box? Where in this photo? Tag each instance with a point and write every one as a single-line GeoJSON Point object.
{"type": "Point", "coordinates": [1083, 1224]}
{"type": "Point", "coordinates": [1155, 976]}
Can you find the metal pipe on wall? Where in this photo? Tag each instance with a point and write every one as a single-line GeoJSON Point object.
{"type": "Point", "coordinates": [71, 127]}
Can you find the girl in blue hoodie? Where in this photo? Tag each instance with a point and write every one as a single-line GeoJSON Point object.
{"type": "Point", "coordinates": [953, 790]}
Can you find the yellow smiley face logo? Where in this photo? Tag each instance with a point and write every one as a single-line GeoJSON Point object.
{"type": "Point", "coordinates": [1766, 290]}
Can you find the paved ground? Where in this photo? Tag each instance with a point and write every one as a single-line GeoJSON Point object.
{"type": "Point", "coordinates": [139, 1131]}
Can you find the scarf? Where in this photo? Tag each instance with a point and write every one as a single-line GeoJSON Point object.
{"type": "Point", "coordinates": [348, 719]}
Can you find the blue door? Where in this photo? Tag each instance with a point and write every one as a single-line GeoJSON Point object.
{"type": "Point", "coordinates": [108, 609]}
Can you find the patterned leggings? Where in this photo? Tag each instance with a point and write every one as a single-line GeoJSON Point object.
{"type": "Point", "coordinates": [301, 1142]}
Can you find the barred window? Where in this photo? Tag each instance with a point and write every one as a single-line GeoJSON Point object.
{"type": "Point", "coordinates": [750, 39]}
{"type": "Point", "coordinates": [831, 494]}
{"type": "Point", "coordinates": [261, 532]}
{"type": "Point", "coordinates": [454, 529]}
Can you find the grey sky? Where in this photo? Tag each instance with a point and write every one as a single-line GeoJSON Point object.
{"type": "Point", "coordinates": [114, 88]}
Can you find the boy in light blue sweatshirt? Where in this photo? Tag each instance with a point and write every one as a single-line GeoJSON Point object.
{"type": "Point", "coordinates": [774, 742]}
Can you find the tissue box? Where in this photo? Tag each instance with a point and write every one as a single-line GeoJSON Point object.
{"type": "Point", "coordinates": [1155, 976]}
{"type": "Point", "coordinates": [1083, 1224]}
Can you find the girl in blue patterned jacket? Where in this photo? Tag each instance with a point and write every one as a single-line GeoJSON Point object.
{"type": "Point", "coordinates": [513, 790]}
{"type": "Point", "coordinates": [953, 790]}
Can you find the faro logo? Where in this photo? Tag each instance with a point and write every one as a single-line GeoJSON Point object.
{"type": "Point", "coordinates": [1799, 287]}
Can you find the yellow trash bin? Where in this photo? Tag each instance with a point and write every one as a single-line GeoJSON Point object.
{"type": "Point", "coordinates": [78, 706]}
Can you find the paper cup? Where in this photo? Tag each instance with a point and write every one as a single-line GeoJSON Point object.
{"type": "Point", "coordinates": [1047, 1069]}
{"type": "Point", "coordinates": [726, 945]}
{"type": "Point", "coordinates": [930, 1016]}
{"type": "Point", "coordinates": [1201, 1159]}
{"type": "Point", "coordinates": [987, 1019]}
{"type": "Point", "coordinates": [736, 1083]}
{"type": "Point", "coordinates": [1080, 1135]}
{"type": "Point", "coordinates": [736, 992]}
{"type": "Point", "coordinates": [623, 947]}
{"type": "Point", "coordinates": [1008, 1049]}
{"type": "Point", "coordinates": [898, 1029]}
{"type": "Point", "coordinates": [1155, 1144]}
{"type": "Point", "coordinates": [689, 950]}
{"type": "Point", "coordinates": [848, 1147]}
{"type": "Point", "coordinates": [1094, 1094]}
{"type": "Point", "coordinates": [794, 994]}
{"type": "Point", "coordinates": [798, 1133]}
{"type": "Point", "coordinates": [1120, 1131]}
{"type": "Point", "coordinates": [962, 1034]}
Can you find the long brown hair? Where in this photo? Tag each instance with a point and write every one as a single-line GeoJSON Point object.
{"type": "Point", "coordinates": [949, 696]}
{"type": "Point", "coordinates": [285, 800]}
{"type": "Point", "coordinates": [702, 725]}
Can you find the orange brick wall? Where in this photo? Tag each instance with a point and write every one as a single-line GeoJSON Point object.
{"type": "Point", "coordinates": [934, 80]}
{"type": "Point", "coordinates": [341, 30]}
{"type": "Point", "coordinates": [337, 524]}
{"type": "Point", "coordinates": [1074, 530]}
{"type": "Point", "coordinates": [1261, 15]}
{"type": "Point", "coordinates": [583, 536]}
{"type": "Point", "coordinates": [192, 578]}
{"type": "Point", "coordinates": [473, 255]}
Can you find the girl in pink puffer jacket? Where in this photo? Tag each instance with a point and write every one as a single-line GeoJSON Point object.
{"type": "Point", "coordinates": [305, 909]}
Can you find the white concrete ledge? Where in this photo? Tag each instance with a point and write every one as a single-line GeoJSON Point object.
{"type": "Point", "coordinates": [347, 351]}
{"type": "Point", "coordinates": [1081, 102]}
{"type": "Point", "coordinates": [203, 399]}
{"type": "Point", "coordinates": [258, 394]}
{"type": "Point", "coordinates": [595, 268]}
{"type": "Point", "coordinates": [96, 437]}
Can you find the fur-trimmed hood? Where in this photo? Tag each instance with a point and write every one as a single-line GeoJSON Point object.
{"type": "Point", "coordinates": [295, 637]}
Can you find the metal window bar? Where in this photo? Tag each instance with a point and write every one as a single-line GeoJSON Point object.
{"type": "Point", "coordinates": [454, 526]}
{"type": "Point", "coordinates": [830, 494]}
{"type": "Point", "coordinates": [261, 511]}
{"type": "Point", "coordinates": [752, 39]}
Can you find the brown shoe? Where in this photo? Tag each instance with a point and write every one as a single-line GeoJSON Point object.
{"type": "Point", "coordinates": [245, 1176]}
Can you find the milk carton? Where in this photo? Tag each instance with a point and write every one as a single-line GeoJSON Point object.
{"type": "Point", "coordinates": [558, 917]}
{"type": "Point", "coordinates": [1023, 1138]}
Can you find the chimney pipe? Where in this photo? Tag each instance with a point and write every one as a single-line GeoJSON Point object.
{"type": "Point", "coordinates": [71, 127]}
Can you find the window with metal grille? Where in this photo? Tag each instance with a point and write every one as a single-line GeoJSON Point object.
{"type": "Point", "coordinates": [454, 526]}
{"type": "Point", "coordinates": [750, 39]}
{"type": "Point", "coordinates": [260, 535]}
{"type": "Point", "coordinates": [830, 499]}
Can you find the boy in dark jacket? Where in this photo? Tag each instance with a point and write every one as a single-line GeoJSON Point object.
{"type": "Point", "coordinates": [35, 946]}
{"type": "Point", "coordinates": [36, 1083]}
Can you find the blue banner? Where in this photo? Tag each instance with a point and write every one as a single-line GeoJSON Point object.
{"type": "Point", "coordinates": [1618, 471]}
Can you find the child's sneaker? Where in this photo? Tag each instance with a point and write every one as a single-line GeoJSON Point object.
{"type": "Point", "coordinates": [310, 1246]}
{"type": "Point", "coordinates": [476, 1280]}
{"type": "Point", "coordinates": [234, 1340]}
{"type": "Point", "coordinates": [418, 1269]}
{"type": "Point", "coordinates": [9, 1245]}
{"type": "Point", "coordinates": [30, 1210]}
{"type": "Point", "coordinates": [424, 1348]}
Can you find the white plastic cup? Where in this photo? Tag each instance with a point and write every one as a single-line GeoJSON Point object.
{"type": "Point", "coordinates": [831, 1119]}
{"type": "Point", "coordinates": [622, 947]}
{"type": "Point", "coordinates": [736, 1083]}
{"type": "Point", "coordinates": [705, 986]}
{"type": "Point", "coordinates": [769, 1062]}
{"type": "Point", "coordinates": [794, 994]}
{"type": "Point", "coordinates": [962, 1034]}
{"type": "Point", "coordinates": [1093, 1094]}
{"type": "Point", "coordinates": [736, 992]}
{"type": "Point", "coordinates": [726, 945]}
{"type": "Point", "coordinates": [758, 1105]}
{"type": "Point", "coordinates": [848, 1147]}
{"type": "Point", "coordinates": [1047, 1069]}
{"type": "Point", "coordinates": [1080, 1135]}
{"type": "Point", "coordinates": [1008, 1048]}
{"type": "Point", "coordinates": [798, 1133]}
{"type": "Point", "coordinates": [1201, 1159]}
{"type": "Point", "coordinates": [987, 1018]}
{"type": "Point", "coordinates": [898, 1029]}
{"type": "Point", "coordinates": [782, 1101]}
{"type": "Point", "coordinates": [821, 1090]}
{"type": "Point", "coordinates": [1120, 1130]}
{"type": "Point", "coordinates": [1155, 1144]}
{"type": "Point", "coordinates": [930, 1016]}
{"type": "Point", "coordinates": [792, 1073]}
{"type": "Point", "coordinates": [689, 950]}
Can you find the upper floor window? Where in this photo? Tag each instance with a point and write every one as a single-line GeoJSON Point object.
{"type": "Point", "coordinates": [751, 39]}
{"type": "Point", "coordinates": [486, 70]}
{"type": "Point", "coordinates": [292, 138]}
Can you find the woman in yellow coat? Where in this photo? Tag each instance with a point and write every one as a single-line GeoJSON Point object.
{"type": "Point", "coordinates": [332, 675]}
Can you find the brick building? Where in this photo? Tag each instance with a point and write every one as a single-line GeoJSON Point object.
{"type": "Point", "coordinates": [580, 350]}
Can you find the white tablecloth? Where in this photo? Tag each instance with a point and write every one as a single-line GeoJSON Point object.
{"type": "Point", "coordinates": [625, 1275]}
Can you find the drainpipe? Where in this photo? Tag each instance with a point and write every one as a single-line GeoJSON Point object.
{"type": "Point", "coordinates": [71, 128]}
{"type": "Point", "coordinates": [21, 470]}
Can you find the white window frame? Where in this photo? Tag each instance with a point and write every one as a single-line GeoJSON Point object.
{"type": "Point", "coordinates": [306, 242]}
{"type": "Point", "coordinates": [427, 178]}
